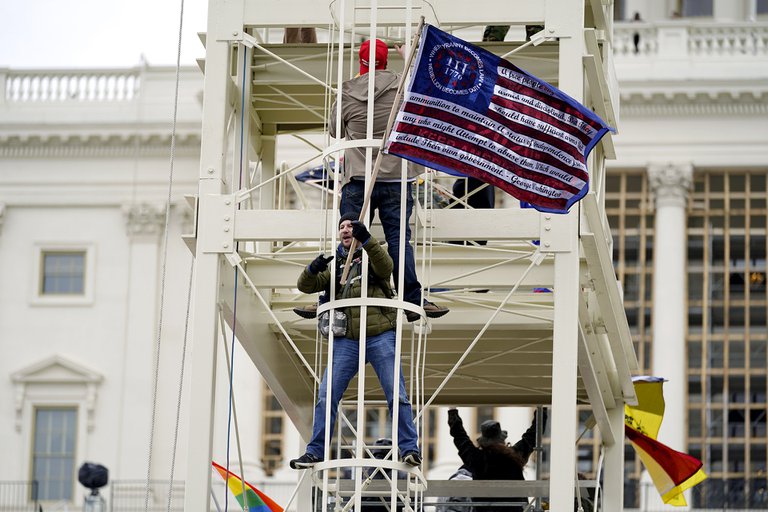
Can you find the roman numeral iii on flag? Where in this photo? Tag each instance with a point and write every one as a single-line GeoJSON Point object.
{"type": "Point", "coordinates": [467, 111]}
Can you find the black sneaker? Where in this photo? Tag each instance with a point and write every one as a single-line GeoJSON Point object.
{"type": "Point", "coordinates": [305, 461]}
{"type": "Point", "coordinates": [412, 459]}
{"type": "Point", "coordinates": [306, 311]}
{"type": "Point", "coordinates": [432, 310]}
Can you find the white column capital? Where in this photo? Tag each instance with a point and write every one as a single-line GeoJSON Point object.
{"type": "Point", "coordinates": [143, 219]}
{"type": "Point", "coordinates": [671, 183]}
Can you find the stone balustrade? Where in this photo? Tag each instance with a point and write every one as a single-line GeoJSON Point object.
{"type": "Point", "coordinates": [29, 86]}
{"type": "Point", "coordinates": [690, 39]}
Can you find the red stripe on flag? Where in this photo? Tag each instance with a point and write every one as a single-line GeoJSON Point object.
{"type": "Point", "coordinates": [541, 116]}
{"type": "Point", "coordinates": [470, 170]}
{"type": "Point", "coordinates": [498, 138]}
{"type": "Point", "coordinates": [489, 155]}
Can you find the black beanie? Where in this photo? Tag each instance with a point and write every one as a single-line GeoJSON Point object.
{"type": "Point", "coordinates": [348, 216]}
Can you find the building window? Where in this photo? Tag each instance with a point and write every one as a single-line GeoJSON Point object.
{"type": "Point", "coordinates": [272, 432]}
{"type": "Point", "coordinates": [727, 217]}
{"type": "Point", "coordinates": [762, 6]}
{"type": "Point", "coordinates": [53, 452]}
{"type": "Point", "coordinates": [63, 273]}
{"type": "Point", "coordinates": [697, 7]}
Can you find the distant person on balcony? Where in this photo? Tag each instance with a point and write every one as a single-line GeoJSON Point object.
{"type": "Point", "coordinates": [379, 337]}
{"type": "Point", "coordinates": [483, 197]}
{"type": "Point", "coordinates": [493, 458]}
{"type": "Point", "coordinates": [636, 36]}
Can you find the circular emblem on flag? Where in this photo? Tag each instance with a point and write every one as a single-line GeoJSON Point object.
{"type": "Point", "coordinates": [455, 69]}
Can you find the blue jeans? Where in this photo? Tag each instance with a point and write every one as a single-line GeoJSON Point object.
{"type": "Point", "coordinates": [386, 198]}
{"type": "Point", "coordinates": [380, 352]}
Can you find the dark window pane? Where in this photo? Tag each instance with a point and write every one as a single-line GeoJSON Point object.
{"type": "Point", "coordinates": [757, 456]}
{"type": "Point", "coordinates": [716, 354]}
{"type": "Point", "coordinates": [694, 423]}
{"type": "Point", "coordinates": [757, 355]}
{"type": "Point", "coordinates": [695, 285]}
{"type": "Point", "coordinates": [757, 317]}
{"type": "Point", "coordinates": [757, 389]}
{"type": "Point", "coordinates": [736, 389]}
{"type": "Point", "coordinates": [736, 423]}
{"type": "Point", "coordinates": [695, 249]}
{"type": "Point", "coordinates": [736, 354]}
{"type": "Point", "coordinates": [694, 357]}
{"type": "Point", "coordinates": [757, 422]}
{"type": "Point", "coordinates": [736, 459]}
{"type": "Point", "coordinates": [716, 457]}
{"type": "Point", "coordinates": [694, 389]}
{"type": "Point", "coordinates": [716, 389]}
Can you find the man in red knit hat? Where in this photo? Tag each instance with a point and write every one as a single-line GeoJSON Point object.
{"type": "Point", "coordinates": [385, 196]}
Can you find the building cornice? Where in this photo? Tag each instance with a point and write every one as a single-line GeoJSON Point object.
{"type": "Point", "coordinates": [79, 146]}
{"type": "Point", "coordinates": [693, 103]}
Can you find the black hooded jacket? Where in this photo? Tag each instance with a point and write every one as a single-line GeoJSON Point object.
{"type": "Point", "coordinates": [493, 462]}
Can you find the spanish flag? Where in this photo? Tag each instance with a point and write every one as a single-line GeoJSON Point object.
{"type": "Point", "coordinates": [249, 498]}
{"type": "Point", "coordinates": [672, 472]}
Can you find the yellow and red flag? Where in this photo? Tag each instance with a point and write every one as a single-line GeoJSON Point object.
{"type": "Point", "coordinates": [672, 472]}
{"type": "Point", "coordinates": [249, 498]}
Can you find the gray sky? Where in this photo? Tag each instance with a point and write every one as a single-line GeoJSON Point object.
{"type": "Point", "coordinates": [98, 33]}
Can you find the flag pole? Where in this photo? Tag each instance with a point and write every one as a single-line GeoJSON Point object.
{"type": "Point", "coordinates": [377, 163]}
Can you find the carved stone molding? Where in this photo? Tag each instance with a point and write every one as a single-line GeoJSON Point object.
{"type": "Point", "coordinates": [670, 183]}
{"type": "Point", "coordinates": [144, 219]}
{"type": "Point", "coordinates": [62, 145]}
{"type": "Point", "coordinates": [56, 379]}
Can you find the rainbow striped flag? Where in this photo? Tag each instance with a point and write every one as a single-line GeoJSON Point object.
{"type": "Point", "coordinates": [672, 472]}
{"type": "Point", "coordinates": [244, 493]}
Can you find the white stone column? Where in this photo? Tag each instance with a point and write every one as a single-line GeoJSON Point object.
{"type": "Point", "coordinates": [670, 184]}
{"type": "Point", "coordinates": [516, 420]}
{"type": "Point", "coordinates": [144, 227]}
{"type": "Point", "coordinates": [447, 460]}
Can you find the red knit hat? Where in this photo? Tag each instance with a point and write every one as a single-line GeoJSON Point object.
{"type": "Point", "coordinates": [381, 55]}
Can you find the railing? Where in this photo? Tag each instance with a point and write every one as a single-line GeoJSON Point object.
{"type": "Point", "coordinates": [131, 495]}
{"type": "Point", "coordinates": [744, 495]}
{"type": "Point", "coordinates": [687, 39]}
{"type": "Point", "coordinates": [69, 86]}
{"type": "Point", "coordinates": [18, 496]}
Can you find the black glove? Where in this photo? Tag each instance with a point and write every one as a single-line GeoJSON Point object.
{"type": "Point", "coordinates": [319, 264]}
{"type": "Point", "coordinates": [453, 417]}
{"type": "Point", "coordinates": [543, 417]}
{"type": "Point", "coordinates": [360, 232]}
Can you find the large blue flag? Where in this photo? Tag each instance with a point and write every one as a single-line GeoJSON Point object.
{"type": "Point", "coordinates": [467, 111]}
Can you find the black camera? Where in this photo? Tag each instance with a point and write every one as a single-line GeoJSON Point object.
{"type": "Point", "coordinates": [93, 476]}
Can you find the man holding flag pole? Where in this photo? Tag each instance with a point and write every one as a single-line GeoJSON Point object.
{"type": "Point", "coordinates": [384, 193]}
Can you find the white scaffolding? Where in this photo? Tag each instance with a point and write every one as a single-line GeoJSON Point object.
{"type": "Point", "coordinates": [507, 346]}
